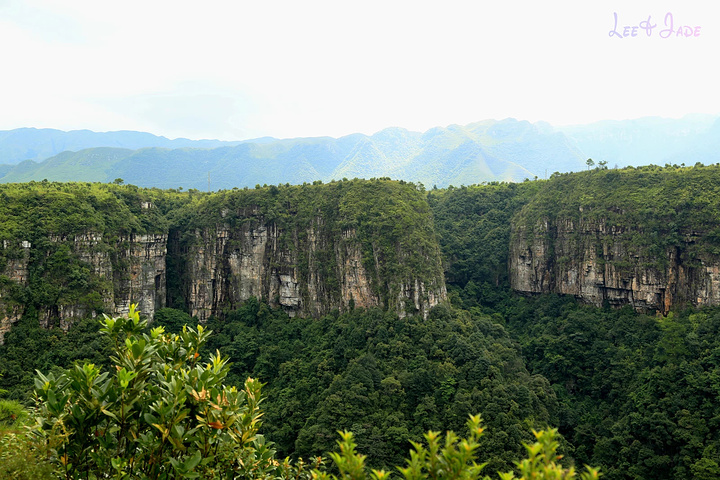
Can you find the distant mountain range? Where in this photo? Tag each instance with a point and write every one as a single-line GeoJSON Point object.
{"type": "Point", "coordinates": [505, 150]}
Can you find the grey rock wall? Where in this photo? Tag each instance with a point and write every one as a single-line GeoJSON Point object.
{"type": "Point", "coordinates": [131, 266]}
{"type": "Point", "coordinates": [226, 266]}
{"type": "Point", "coordinates": [598, 263]}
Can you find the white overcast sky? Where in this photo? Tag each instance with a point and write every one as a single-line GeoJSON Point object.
{"type": "Point", "coordinates": [244, 69]}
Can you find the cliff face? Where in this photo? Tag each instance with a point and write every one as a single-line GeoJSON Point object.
{"type": "Point", "coordinates": [601, 263]}
{"type": "Point", "coordinates": [143, 280]}
{"type": "Point", "coordinates": [120, 271]}
{"type": "Point", "coordinates": [305, 272]}
{"type": "Point", "coordinates": [648, 237]}
{"type": "Point", "coordinates": [14, 274]}
{"type": "Point", "coordinates": [309, 249]}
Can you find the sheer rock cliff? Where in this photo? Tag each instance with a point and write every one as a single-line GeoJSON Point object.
{"type": "Point", "coordinates": [310, 250]}
{"type": "Point", "coordinates": [119, 271]}
{"type": "Point", "coordinates": [304, 271]}
{"type": "Point", "coordinates": [603, 263]}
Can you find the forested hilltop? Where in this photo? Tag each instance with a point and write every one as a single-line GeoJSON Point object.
{"type": "Point", "coordinates": [631, 391]}
{"type": "Point", "coordinates": [78, 249]}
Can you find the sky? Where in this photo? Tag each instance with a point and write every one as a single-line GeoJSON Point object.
{"type": "Point", "coordinates": [235, 70]}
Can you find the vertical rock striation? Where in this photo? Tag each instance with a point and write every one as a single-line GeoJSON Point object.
{"type": "Point", "coordinates": [123, 270]}
{"type": "Point", "coordinates": [601, 263]}
{"type": "Point", "coordinates": [12, 276]}
{"type": "Point", "coordinates": [648, 237]}
{"type": "Point", "coordinates": [305, 274]}
{"type": "Point", "coordinates": [309, 250]}
{"type": "Point", "coordinates": [143, 278]}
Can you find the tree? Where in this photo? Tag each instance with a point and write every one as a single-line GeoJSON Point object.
{"type": "Point", "coordinates": [456, 458]}
{"type": "Point", "coordinates": [159, 413]}
{"type": "Point", "coordinates": [590, 163]}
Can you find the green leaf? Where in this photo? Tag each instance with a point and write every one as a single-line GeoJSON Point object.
{"type": "Point", "coordinates": [193, 461]}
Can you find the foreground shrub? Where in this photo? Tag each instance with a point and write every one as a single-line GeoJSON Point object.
{"type": "Point", "coordinates": [12, 414]}
{"type": "Point", "coordinates": [160, 413]}
{"type": "Point", "coordinates": [22, 458]}
{"type": "Point", "coordinates": [454, 459]}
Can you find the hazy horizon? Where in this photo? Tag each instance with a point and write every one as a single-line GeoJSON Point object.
{"type": "Point", "coordinates": [369, 134]}
{"type": "Point", "coordinates": [239, 70]}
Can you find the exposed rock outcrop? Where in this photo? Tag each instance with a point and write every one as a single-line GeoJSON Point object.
{"type": "Point", "coordinates": [14, 274]}
{"type": "Point", "coordinates": [600, 263]}
{"type": "Point", "coordinates": [143, 281]}
{"type": "Point", "coordinates": [124, 270]}
{"type": "Point", "coordinates": [308, 274]}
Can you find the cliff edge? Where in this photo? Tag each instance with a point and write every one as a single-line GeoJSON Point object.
{"type": "Point", "coordinates": [647, 237]}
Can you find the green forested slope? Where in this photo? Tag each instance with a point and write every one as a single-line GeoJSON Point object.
{"type": "Point", "coordinates": [386, 379]}
{"type": "Point", "coordinates": [636, 395]}
{"type": "Point", "coordinates": [473, 225]}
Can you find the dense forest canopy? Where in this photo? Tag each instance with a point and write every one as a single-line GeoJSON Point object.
{"type": "Point", "coordinates": [658, 205]}
{"type": "Point", "coordinates": [633, 394]}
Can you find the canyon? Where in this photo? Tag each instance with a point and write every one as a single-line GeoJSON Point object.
{"type": "Point", "coordinates": [648, 238]}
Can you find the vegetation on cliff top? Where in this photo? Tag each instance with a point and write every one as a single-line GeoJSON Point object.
{"type": "Point", "coordinates": [32, 211]}
{"type": "Point", "coordinates": [389, 221]}
{"type": "Point", "coordinates": [654, 207]}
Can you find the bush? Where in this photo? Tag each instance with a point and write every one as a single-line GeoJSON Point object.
{"type": "Point", "coordinates": [12, 414]}
{"type": "Point", "coordinates": [456, 458]}
{"type": "Point", "coordinates": [159, 413]}
{"type": "Point", "coordinates": [22, 458]}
